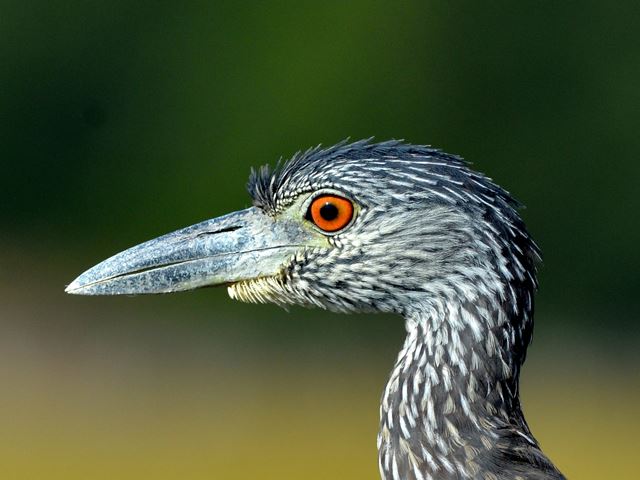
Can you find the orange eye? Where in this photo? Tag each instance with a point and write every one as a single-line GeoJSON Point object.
{"type": "Point", "coordinates": [330, 213]}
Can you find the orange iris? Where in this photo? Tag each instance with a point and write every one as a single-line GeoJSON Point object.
{"type": "Point", "coordinates": [331, 213]}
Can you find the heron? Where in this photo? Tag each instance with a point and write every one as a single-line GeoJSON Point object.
{"type": "Point", "coordinates": [383, 227]}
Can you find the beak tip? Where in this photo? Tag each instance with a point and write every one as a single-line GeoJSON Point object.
{"type": "Point", "coordinates": [74, 288]}
{"type": "Point", "coordinates": [81, 285]}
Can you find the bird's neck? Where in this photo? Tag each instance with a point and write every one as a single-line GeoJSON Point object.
{"type": "Point", "coordinates": [452, 391]}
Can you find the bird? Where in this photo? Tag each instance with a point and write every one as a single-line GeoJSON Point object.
{"type": "Point", "coordinates": [390, 227]}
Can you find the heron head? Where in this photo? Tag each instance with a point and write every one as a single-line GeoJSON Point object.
{"type": "Point", "coordinates": [355, 227]}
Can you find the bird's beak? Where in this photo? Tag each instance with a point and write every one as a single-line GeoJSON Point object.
{"type": "Point", "coordinates": [239, 246]}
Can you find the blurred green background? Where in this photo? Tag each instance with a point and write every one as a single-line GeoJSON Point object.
{"type": "Point", "coordinates": [120, 121]}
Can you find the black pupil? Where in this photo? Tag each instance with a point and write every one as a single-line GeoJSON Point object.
{"type": "Point", "coordinates": [329, 211]}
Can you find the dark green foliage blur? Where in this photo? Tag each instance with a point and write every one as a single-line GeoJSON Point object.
{"type": "Point", "coordinates": [120, 120]}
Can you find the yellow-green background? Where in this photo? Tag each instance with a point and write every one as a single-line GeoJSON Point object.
{"type": "Point", "coordinates": [122, 120]}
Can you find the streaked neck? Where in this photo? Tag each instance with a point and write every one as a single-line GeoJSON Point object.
{"type": "Point", "coordinates": [453, 388]}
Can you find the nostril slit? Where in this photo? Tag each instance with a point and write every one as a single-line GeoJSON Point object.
{"type": "Point", "coordinates": [222, 230]}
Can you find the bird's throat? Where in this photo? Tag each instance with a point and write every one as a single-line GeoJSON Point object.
{"type": "Point", "coordinates": [452, 389]}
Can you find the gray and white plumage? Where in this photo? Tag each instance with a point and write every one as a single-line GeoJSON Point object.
{"type": "Point", "coordinates": [442, 246]}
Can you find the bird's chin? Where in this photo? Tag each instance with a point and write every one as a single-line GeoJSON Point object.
{"type": "Point", "coordinates": [269, 289]}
